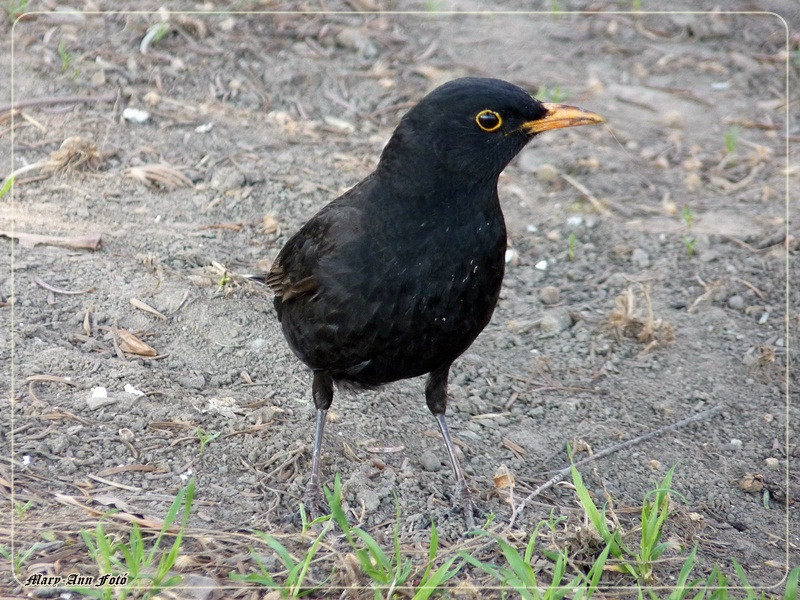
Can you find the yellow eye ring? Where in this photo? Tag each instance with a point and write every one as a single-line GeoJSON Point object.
{"type": "Point", "coordinates": [489, 120]}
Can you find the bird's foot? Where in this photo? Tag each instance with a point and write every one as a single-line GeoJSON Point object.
{"type": "Point", "coordinates": [314, 503]}
{"type": "Point", "coordinates": [466, 504]}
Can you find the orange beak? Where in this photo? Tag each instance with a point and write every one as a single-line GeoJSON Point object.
{"type": "Point", "coordinates": [562, 115]}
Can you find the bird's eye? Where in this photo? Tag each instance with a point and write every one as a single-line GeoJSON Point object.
{"type": "Point", "coordinates": [488, 120]}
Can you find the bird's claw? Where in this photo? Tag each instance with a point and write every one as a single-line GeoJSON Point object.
{"type": "Point", "coordinates": [314, 504]}
{"type": "Point", "coordinates": [465, 502]}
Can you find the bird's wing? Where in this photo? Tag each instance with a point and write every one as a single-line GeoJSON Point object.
{"type": "Point", "coordinates": [294, 272]}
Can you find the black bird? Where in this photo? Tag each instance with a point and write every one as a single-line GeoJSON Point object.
{"type": "Point", "coordinates": [398, 276]}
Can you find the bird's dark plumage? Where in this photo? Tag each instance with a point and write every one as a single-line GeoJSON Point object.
{"type": "Point", "coordinates": [398, 276]}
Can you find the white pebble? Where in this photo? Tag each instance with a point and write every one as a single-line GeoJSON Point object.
{"type": "Point", "coordinates": [135, 115]}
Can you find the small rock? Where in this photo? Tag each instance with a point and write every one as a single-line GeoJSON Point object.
{"type": "Point", "coordinates": [772, 462]}
{"type": "Point", "coordinates": [549, 294]}
{"type": "Point", "coordinates": [429, 461]}
{"type": "Point", "coordinates": [673, 118]}
{"type": "Point", "coordinates": [541, 265]}
{"type": "Point", "coordinates": [135, 115]}
{"type": "Point", "coordinates": [98, 78]}
{"type": "Point", "coordinates": [99, 398]}
{"type": "Point", "coordinates": [617, 280]}
{"type": "Point", "coordinates": [512, 257]}
{"type": "Point", "coordinates": [736, 444]}
{"type": "Point", "coordinates": [368, 498]}
{"type": "Point", "coordinates": [547, 173]}
{"type": "Point", "coordinates": [354, 39]}
{"type": "Point", "coordinates": [555, 321]}
{"type": "Point", "coordinates": [736, 302]}
{"type": "Point", "coordinates": [227, 178]}
{"type": "Point", "coordinates": [640, 259]}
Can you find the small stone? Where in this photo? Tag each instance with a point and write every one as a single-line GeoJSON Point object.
{"type": "Point", "coordinates": [227, 178]}
{"type": "Point", "coordinates": [555, 321]}
{"type": "Point", "coordinates": [512, 257]}
{"type": "Point", "coordinates": [640, 259]}
{"type": "Point", "coordinates": [736, 302]}
{"type": "Point", "coordinates": [429, 461]}
{"type": "Point", "coordinates": [673, 118]}
{"type": "Point", "coordinates": [549, 294]}
{"type": "Point", "coordinates": [736, 444]}
{"type": "Point", "coordinates": [547, 173]}
{"type": "Point", "coordinates": [98, 78]}
{"type": "Point", "coordinates": [772, 462]}
{"type": "Point", "coordinates": [617, 280]}
{"type": "Point", "coordinates": [354, 39]}
{"type": "Point", "coordinates": [135, 115]}
{"type": "Point", "coordinates": [99, 398]}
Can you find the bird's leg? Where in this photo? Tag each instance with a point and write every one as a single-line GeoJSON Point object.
{"type": "Point", "coordinates": [322, 391]}
{"type": "Point", "coordinates": [436, 397]}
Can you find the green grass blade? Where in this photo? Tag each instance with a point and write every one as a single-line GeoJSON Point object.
{"type": "Point", "coordinates": [287, 559]}
{"type": "Point", "coordinates": [380, 567]}
{"type": "Point", "coordinates": [525, 577]}
{"type": "Point", "coordinates": [312, 551]}
{"type": "Point", "coordinates": [681, 589]}
{"type": "Point", "coordinates": [7, 186]}
{"type": "Point", "coordinates": [433, 548]}
{"type": "Point", "coordinates": [792, 584]}
{"type": "Point", "coordinates": [596, 572]}
{"type": "Point", "coordinates": [751, 594]}
{"type": "Point", "coordinates": [441, 575]}
{"type": "Point", "coordinates": [490, 569]}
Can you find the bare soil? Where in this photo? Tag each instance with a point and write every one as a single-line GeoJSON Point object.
{"type": "Point", "coordinates": [647, 275]}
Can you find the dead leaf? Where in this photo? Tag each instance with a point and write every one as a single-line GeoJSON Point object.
{"type": "Point", "coordinates": [132, 345]}
{"type": "Point", "coordinates": [503, 478]}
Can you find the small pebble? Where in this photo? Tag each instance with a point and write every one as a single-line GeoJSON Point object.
{"type": "Point", "coordinates": [555, 321]}
{"type": "Point", "coordinates": [547, 173]}
{"type": "Point", "coordinates": [617, 280]}
{"type": "Point", "coordinates": [736, 302]}
{"type": "Point", "coordinates": [429, 461]}
{"type": "Point", "coordinates": [549, 295]}
{"type": "Point", "coordinates": [135, 115]}
{"type": "Point", "coordinates": [640, 259]}
{"type": "Point", "coordinates": [772, 462]}
{"type": "Point", "coordinates": [736, 444]}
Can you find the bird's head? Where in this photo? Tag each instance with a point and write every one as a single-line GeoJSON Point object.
{"type": "Point", "coordinates": [471, 128]}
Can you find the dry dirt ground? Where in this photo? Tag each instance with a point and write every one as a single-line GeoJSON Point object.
{"type": "Point", "coordinates": [647, 275]}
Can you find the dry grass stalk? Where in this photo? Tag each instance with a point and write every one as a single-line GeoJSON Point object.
{"type": "Point", "coordinates": [74, 154]}
{"type": "Point", "coordinates": [629, 321]}
{"type": "Point", "coordinates": [29, 240]}
{"type": "Point", "coordinates": [159, 176]}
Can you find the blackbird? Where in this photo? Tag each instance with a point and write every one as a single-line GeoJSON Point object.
{"type": "Point", "coordinates": [398, 276]}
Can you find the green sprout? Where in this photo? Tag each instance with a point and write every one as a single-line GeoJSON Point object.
{"type": "Point", "coordinates": [732, 139]}
{"type": "Point", "coordinates": [67, 60]}
{"type": "Point", "coordinates": [688, 239]}
{"type": "Point", "coordinates": [21, 508]}
{"type": "Point", "coordinates": [15, 8]}
{"type": "Point", "coordinates": [206, 437]}
{"type": "Point", "coordinates": [571, 249]}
